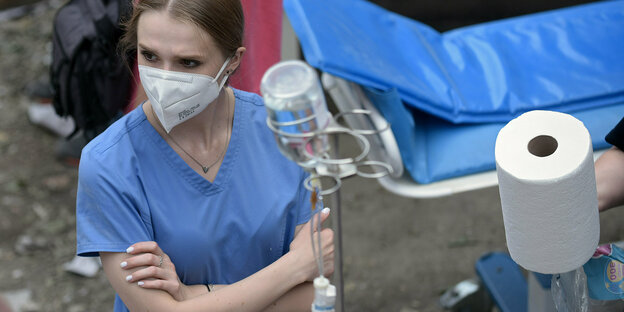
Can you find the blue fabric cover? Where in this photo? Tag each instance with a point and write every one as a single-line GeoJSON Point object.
{"type": "Point", "coordinates": [134, 187]}
{"type": "Point", "coordinates": [434, 149]}
{"type": "Point", "coordinates": [504, 281]}
{"type": "Point", "coordinates": [566, 60]}
{"type": "Point", "coordinates": [448, 94]}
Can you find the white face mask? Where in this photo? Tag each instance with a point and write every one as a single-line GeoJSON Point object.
{"type": "Point", "coordinates": [177, 96]}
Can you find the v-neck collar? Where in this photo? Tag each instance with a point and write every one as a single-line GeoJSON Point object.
{"type": "Point", "coordinates": [178, 165]}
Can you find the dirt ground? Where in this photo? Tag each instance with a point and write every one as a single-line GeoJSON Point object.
{"type": "Point", "coordinates": [400, 254]}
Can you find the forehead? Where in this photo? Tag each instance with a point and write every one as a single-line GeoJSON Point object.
{"type": "Point", "coordinates": [158, 30]}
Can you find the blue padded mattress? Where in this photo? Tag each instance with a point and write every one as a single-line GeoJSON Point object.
{"type": "Point", "coordinates": [448, 94]}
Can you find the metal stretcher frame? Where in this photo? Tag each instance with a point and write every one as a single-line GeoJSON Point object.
{"type": "Point", "coordinates": [348, 96]}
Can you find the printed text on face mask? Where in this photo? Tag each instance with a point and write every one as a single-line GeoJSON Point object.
{"type": "Point", "coordinates": [187, 112]}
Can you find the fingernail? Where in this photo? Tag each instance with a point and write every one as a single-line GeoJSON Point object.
{"type": "Point", "coordinates": [141, 283]}
{"type": "Point", "coordinates": [130, 249]}
{"type": "Point", "coordinates": [123, 264]}
{"type": "Point", "coordinates": [128, 278]}
{"type": "Point", "coordinates": [325, 210]}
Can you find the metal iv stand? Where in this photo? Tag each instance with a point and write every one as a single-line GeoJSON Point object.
{"type": "Point", "coordinates": [321, 164]}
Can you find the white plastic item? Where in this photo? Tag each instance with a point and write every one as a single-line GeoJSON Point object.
{"type": "Point", "coordinates": [296, 109]}
{"type": "Point", "coordinates": [547, 186]}
{"type": "Point", "coordinates": [324, 295]}
{"type": "Point", "coordinates": [45, 116]}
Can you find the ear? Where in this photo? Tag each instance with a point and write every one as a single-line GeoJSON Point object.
{"type": "Point", "coordinates": [235, 60]}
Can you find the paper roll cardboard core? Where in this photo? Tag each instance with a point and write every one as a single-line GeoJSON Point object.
{"type": "Point", "coordinates": [542, 145]}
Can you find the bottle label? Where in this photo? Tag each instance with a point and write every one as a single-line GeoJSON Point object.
{"type": "Point", "coordinates": [605, 273]}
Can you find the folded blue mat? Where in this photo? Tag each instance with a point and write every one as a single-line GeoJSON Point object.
{"type": "Point", "coordinates": [447, 95]}
{"type": "Point", "coordinates": [434, 149]}
{"type": "Point", "coordinates": [566, 59]}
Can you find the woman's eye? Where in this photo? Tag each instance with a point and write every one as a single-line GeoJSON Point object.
{"type": "Point", "coordinates": [189, 63]}
{"type": "Point", "coordinates": [148, 56]}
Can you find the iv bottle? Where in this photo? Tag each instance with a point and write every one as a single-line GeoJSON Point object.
{"type": "Point", "coordinates": [324, 295]}
{"type": "Point", "coordinates": [296, 110]}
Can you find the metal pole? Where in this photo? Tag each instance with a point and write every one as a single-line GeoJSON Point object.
{"type": "Point", "coordinates": [337, 227]}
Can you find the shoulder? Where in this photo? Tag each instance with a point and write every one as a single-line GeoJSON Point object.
{"type": "Point", "coordinates": [252, 107]}
{"type": "Point", "coordinates": [249, 98]}
{"type": "Point", "coordinates": [112, 147]}
{"type": "Point", "coordinates": [115, 135]}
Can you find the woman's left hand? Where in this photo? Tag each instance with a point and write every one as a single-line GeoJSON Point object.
{"type": "Point", "coordinates": [157, 272]}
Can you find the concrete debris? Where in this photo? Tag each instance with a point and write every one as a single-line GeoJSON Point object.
{"type": "Point", "coordinates": [17, 273]}
{"type": "Point", "coordinates": [57, 182]}
{"type": "Point", "coordinates": [18, 301]}
{"type": "Point", "coordinates": [26, 244]}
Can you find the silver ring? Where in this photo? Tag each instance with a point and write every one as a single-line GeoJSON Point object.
{"type": "Point", "coordinates": [361, 140]}
{"type": "Point", "coordinates": [375, 175]}
{"type": "Point", "coordinates": [161, 261]}
{"type": "Point", "coordinates": [274, 126]}
{"type": "Point", "coordinates": [358, 111]}
{"type": "Point", "coordinates": [307, 183]}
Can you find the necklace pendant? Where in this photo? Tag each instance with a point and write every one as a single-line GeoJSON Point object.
{"type": "Point", "coordinates": [205, 169]}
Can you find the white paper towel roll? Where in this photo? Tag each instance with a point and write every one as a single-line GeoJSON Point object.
{"type": "Point", "coordinates": [545, 167]}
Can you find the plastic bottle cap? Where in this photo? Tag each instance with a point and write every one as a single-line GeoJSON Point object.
{"type": "Point", "coordinates": [331, 291]}
{"type": "Point", "coordinates": [288, 79]}
{"type": "Point", "coordinates": [321, 282]}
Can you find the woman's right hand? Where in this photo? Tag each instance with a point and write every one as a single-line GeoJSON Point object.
{"type": "Point", "coordinates": [302, 247]}
{"type": "Point", "coordinates": [157, 271]}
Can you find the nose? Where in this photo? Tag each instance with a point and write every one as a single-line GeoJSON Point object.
{"type": "Point", "coordinates": [168, 66]}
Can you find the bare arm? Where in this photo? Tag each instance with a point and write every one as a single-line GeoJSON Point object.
{"type": "Point", "coordinates": [278, 287]}
{"type": "Point", "coordinates": [297, 299]}
{"type": "Point", "coordinates": [301, 294]}
{"type": "Point", "coordinates": [610, 179]}
{"type": "Point", "coordinates": [251, 294]}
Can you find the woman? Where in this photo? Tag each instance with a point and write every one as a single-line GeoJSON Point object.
{"type": "Point", "coordinates": [196, 170]}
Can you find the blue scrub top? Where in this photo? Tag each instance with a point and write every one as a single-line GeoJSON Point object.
{"type": "Point", "coordinates": [134, 187]}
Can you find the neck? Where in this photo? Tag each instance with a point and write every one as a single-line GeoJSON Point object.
{"type": "Point", "coordinates": [207, 129]}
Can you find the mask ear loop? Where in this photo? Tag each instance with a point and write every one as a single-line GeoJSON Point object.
{"type": "Point", "coordinates": [221, 70]}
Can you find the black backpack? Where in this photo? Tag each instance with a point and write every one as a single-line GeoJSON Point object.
{"type": "Point", "coordinates": [90, 80]}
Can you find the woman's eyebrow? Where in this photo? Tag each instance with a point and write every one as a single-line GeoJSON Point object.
{"type": "Point", "coordinates": [189, 56]}
{"type": "Point", "coordinates": [143, 47]}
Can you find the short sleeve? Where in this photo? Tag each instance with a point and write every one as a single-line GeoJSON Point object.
{"type": "Point", "coordinates": [108, 216]}
{"type": "Point", "coordinates": [616, 136]}
{"type": "Point", "coordinates": [304, 204]}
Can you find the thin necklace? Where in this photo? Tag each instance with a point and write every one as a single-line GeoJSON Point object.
{"type": "Point", "coordinates": [204, 168]}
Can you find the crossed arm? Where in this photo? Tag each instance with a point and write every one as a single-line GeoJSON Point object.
{"type": "Point", "coordinates": [282, 286]}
